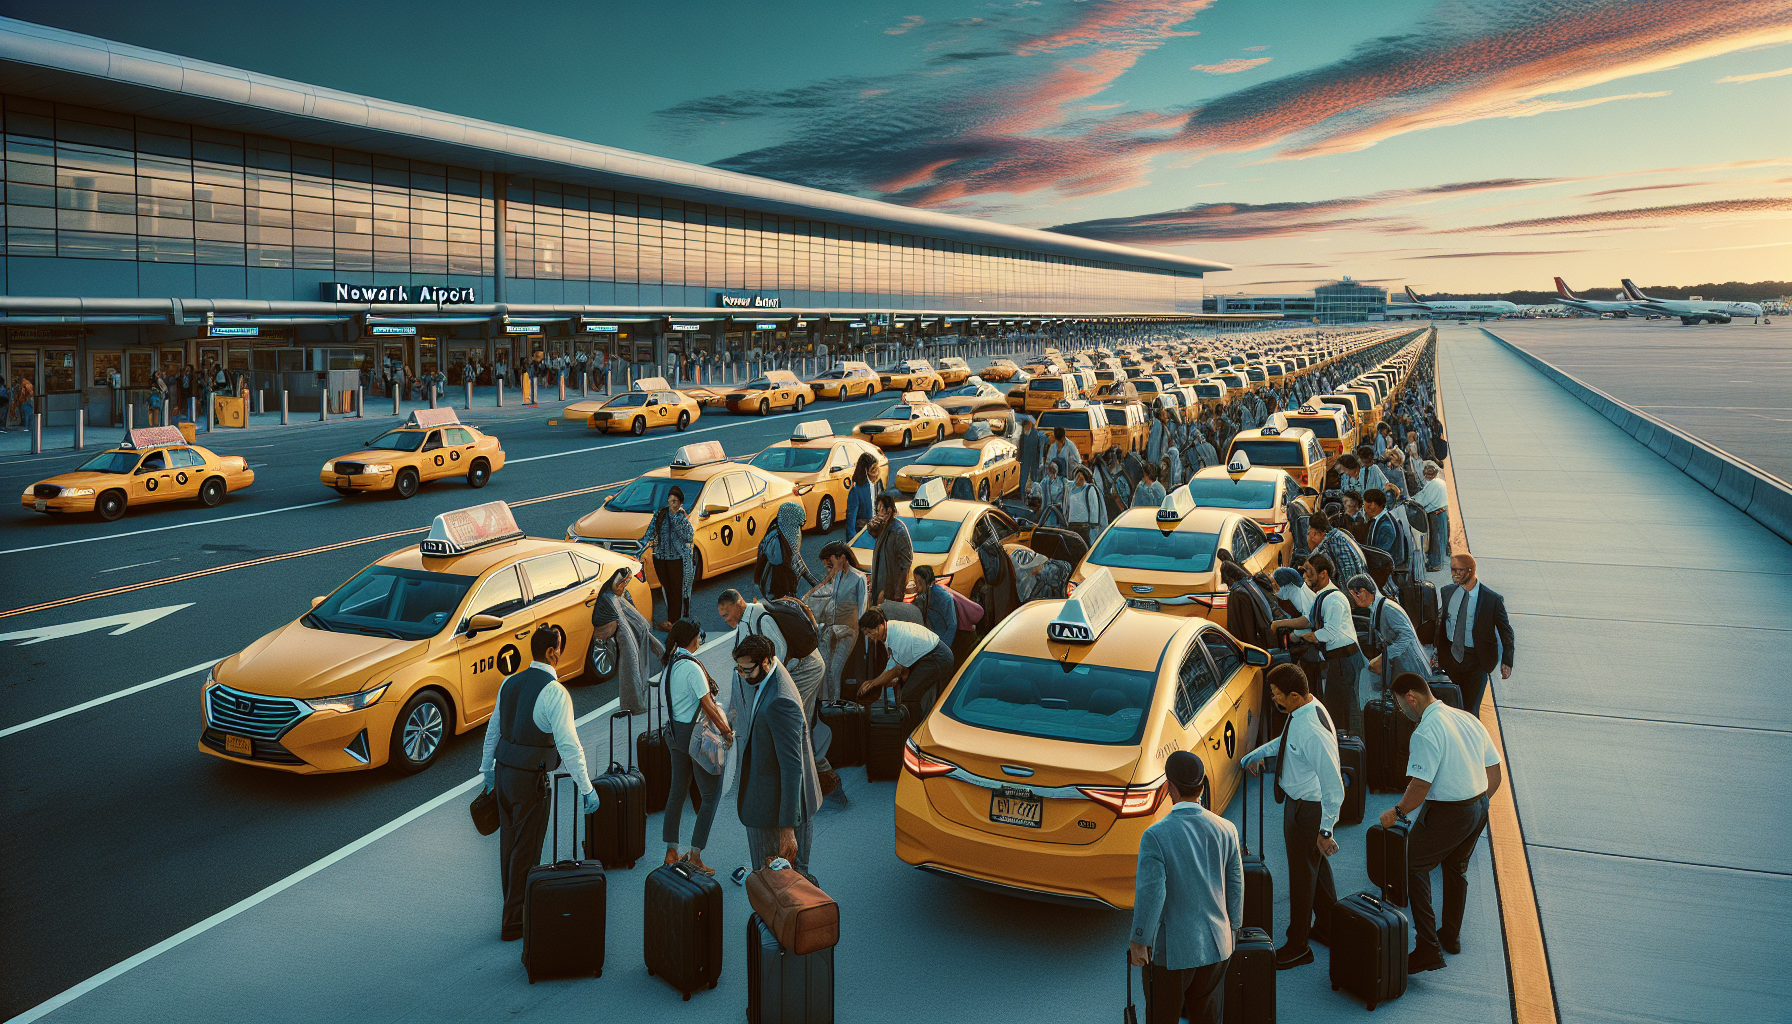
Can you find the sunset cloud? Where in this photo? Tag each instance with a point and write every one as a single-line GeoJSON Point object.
{"type": "Point", "coordinates": [1233, 66]}
{"type": "Point", "coordinates": [1754, 78]}
{"type": "Point", "coordinates": [1701, 211]}
{"type": "Point", "coordinates": [913, 21]}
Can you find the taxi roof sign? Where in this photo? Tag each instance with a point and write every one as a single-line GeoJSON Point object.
{"type": "Point", "coordinates": [977, 431]}
{"type": "Point", "coordinates": [700, 454]}
{"type": "Point", "coordinates": [915, 397]}
{"type": "Point", "coordinates": [814, 430]}
{"type": "Point", "coordinates": [1241, 463]}
{"type": "Point", "coordinates": [424, 419]}
{"type": "Point", "coordinates": [652, 384]}
{"type": "Point", "coordinates": [929, 494]}
{"type": "Point", "coordinates": [1094, 606]}
{"type": "Point", "coordinates": [1176, 507]}
{"type": "Point", "coordinates": [468, 529]}
{"type": "Point", "coordinates": [153, 437]}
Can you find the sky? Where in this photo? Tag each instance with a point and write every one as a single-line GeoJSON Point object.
{"type": "Point", "coordinates": [1456, 147]}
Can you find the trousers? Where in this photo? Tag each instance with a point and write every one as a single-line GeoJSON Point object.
{"type": "Point", "coordinates": [1440, 540]}
{"type": "Point", "coordinates": [683, 771]}
{"type": "Point", "coordinates": [838, 644]}
{"type": "Point", "coordinates": [1445, 836]}
{"type": "Point", "coordinates": [808, 672]}
{"type": "Point", "coordinates": [671, 574]}
{"type": "Point", "coordinates": [1311, 892]}
{"type": "Point", "coordinates": [1340, 692]}
{"type": "Point", "coordinates": [762, 845]}
{"type": "Point", "coordinates": [1196, 992]}
{"type": "Point", "coordinates": [1470, 679]}
{"type": "Point", "coordinates": [522, 822]}
{"type": "Point", "coordinates": [931, 672]}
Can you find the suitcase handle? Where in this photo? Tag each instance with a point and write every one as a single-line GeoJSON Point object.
{"type": "Point", "coordinates": [627, 735]}
{"type": "Point", "coordinates": [554, 813]}
{"type": "Point", "coordinates": [890, 700]}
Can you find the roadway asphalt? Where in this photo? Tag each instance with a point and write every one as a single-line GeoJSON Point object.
{"type": "Point", "coordinates": [118, 832]}
{"type": "Point", "coordinates": [1729, 385]}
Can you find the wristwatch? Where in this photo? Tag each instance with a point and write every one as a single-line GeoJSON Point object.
{"type": "Point", "coordinates": [1325, 833]}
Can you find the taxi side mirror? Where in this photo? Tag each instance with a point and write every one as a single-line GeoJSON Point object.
{"type": "Point", "coordinates": [483, 624]}
{"type": "Point", "coordinates": [319, 600]}
{"type": "Point", "coordinates": [1256, 656]}
{"type": "Point", "coordinates": [711, 508]}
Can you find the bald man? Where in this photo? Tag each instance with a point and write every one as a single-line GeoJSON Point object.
{"type": "Point", "coordinates": [1473, 632]}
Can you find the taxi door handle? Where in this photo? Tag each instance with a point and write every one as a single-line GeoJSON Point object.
{"type": "Point", "coordinates": [524, 634]}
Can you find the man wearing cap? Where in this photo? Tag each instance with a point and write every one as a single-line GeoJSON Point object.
{"type": "Point", "coordinates": [1310, 786]}
{"type": "Point", "coordinates": [1188, 901]}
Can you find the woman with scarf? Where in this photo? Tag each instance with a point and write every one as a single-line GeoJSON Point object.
{"type": "Point", "coordinates": [837, 602]}
{"type": "Point", "coordinates": [616, 619]}
{"type": "Point", "coordinates": [892, 554]}
{"type": "Point", "coordinates": [669, 533]}
{"type": "Point", "coordinates": [782, 576]}
{"type": "Point", "coordinates": [690, 692]}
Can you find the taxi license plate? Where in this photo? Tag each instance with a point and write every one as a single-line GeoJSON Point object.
{"type": "Point", "coordinates": [41, 504]}
{"type": "Point", "coordinates": [1025, 811]}
{"type": "Point", "coordinates": [1149, 606]}
{"type": "Point", "coordinates": [238, 745]}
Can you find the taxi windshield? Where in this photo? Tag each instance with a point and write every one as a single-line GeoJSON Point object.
{"type": "Point", "coordinates": [791, 460]}
{"type": "Point", "coordinates": [757, 384]}
{"type": "Point", "coordinates": [1069, 419]}
{"type": "Point", "coordinates": [1083, 703]}
{"type": "Point", "coordinates": [832, 375]}
{"type": "Point", "coordinates": [643, 494]}
{"type": "Point", "coordinates": [1321, 426]}
{"type": "Point", "coordinates": [902, 411]}
{"type": "Point", "coordinates": [398, 441]}
{"type": "Point", "coordinates": [962, 391]}
{"type": "Point", "coordinates": [627, 400]}
{"type": "Point", "coordinates": [404, 604]}
{"type": "Point", "coordinates": [1209, 391]}
{"type": "Point", "coordinates": [1270, 453]}
{"type": "Point", "coordinates": [940, 455]}
{"type": "Point", "coordinates": [111, 462]}
{"type": "Point", "coordinates": [928, 536]}
{"type": "Point", "coordinates": [1226, 492]}
{"type": "Point", "coordinates": [1150, 548]}
{"type": "Point", "coordinates": [1048, 384]}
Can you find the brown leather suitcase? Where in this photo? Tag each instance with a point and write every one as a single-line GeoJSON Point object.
{"type": "Point", "coordinates": [803, 918]}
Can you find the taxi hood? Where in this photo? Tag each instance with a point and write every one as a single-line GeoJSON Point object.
{"type": "Point", "coordinates": [298, 661]}
{"type": "Point", "coordinates": [87, 478]}
{"type": "Point", "coordinates": [606, 524]}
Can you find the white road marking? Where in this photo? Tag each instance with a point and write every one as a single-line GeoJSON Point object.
{"type": "Point", "coordinates": [125, 622]}
{"type": "Point", "coordinates": [176, 526]}
{"type": "Point", "coordinates": [133, 565]}
{"type": "Point", "coordinates": [122, 967]}
{"type": "Point", "coordinates": [638, 440]}
{"type": "Point", "coordinates": [108, 698]}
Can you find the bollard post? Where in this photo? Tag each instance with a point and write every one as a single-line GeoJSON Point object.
{"type": "Point", "coordinates": [562, 379]}
{"type": "Point", "coordinates": [432, 394]}
{"type": "Point", "coordinates": [584, 383]}
{"type": "Point", "coordinates": [261, 402]}
{"type": "Point", "coordinates": [395, 400]}
{"type": "Point", "coordinates": [80, 429]}
{"type": "Point", "coordinates": [500, 392]}
{"type": "Point", "coordinates": [211, 414]}
{"type": "Point", "coordinates": [323, 406]}
{"type": "Point", "coordinates": [193, 411]}
{"type": "Point", "coordinates": [360, 403]}
{"type": "Point", "coordinates": [284, 416]}
{"type": "Point", "coordinates": [469, 386]}
{"type": "Point", "coordinates": [130, 413]}
{"type": "Point", "coordinates": [37, 433]}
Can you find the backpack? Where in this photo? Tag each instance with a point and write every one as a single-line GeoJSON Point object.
{"type": "Point", "coordinates": [1416, 517]}
{"type": "Point", "coordinates": [795, 622]}
{"type": "Point", "coordinates": [771, 549]}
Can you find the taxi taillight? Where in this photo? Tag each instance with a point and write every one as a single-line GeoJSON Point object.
{"type": "Point", "coordinates": [921, 765]}
{"type": "Point", "coordinates": [1126, 801]}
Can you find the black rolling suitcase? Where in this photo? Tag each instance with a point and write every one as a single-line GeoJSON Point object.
{"type": "Point", "coordinates": [1352, 759]}
{"type": "Point", "coordinates": [784, 988]}
{"type": "Point", "coordinates": [616, 833]}
{"type": "Point", "coordinates": [1386, 848]}
{"type": "Point", "coordinates": [1259, 884]}
{"type": "Point", "coordinates": [1368, 944]}
{"type": "Point", "coordinates": [886, 732]}
{"type": "Point", "coordinates": [848, 722]}
{"type": "Point", "coordinates": [653, 752]}
{"type": "Point", "coordinates": [565, 908]}
{"type": "Point", "coordinates": [1251, 977]}
{"type": "Point", "coordinates": [1446, 691]}
{"type": "Point", "coordinates": [682, 936]}
{"type": "Point", "coordinates": [1387, 737]}
{"type": "Point", "coordinates": [1419, 600]}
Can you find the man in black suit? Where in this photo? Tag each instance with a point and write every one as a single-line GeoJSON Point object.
{"type": "Point", "coordinates": [1473, 633]}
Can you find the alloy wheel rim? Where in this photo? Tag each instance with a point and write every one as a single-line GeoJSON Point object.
{"type": "Point", "coordinates": [423, 732]}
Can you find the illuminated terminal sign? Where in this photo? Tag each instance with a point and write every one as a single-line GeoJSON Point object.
{"type": "Point", "coordinates": [217, 331]}
{"type": "Point", "coordinates": [736, 300]}
{"type": "Point", "coordinates": [337, 291]}
{"type": "Point", "coordinates": [394, 329]}
{"type": "Point", "coordinates": [686, 328]}
{"type": "Point", "coordinates": [601, 328]}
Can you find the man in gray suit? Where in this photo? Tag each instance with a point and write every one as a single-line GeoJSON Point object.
{"type": "Point", "coordinates": [779, 790]}
{"type": "Point", "coordinates": [1188, 900]}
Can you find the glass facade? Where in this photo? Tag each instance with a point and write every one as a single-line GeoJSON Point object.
{"type": "Point", "coordinates": [1349, 302]}
{"type": "Point", "coordinates": [92, 184]}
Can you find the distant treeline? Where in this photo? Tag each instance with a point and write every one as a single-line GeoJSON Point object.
{"type": "Point", "coordinates": [1736, 291]}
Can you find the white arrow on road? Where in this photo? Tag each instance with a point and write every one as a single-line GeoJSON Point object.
{"type": "Point", "coordinates": [123, 623]}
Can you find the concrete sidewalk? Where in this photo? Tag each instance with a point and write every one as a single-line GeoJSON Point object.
{"type": "Point", "coordinates": [1644, 722]}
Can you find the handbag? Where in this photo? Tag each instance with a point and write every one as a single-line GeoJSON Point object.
{"type": "Point", "coordinates": [709, 748]}
{"type": "Point", "coordinates": [484, 809]}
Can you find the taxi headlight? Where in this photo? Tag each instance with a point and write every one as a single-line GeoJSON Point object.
{"type": "Point", "coordinates": [329, 467]}
{"type": "Point", "coordinates": [377, 467]}
{"type": "Point", "coordinates": [349, 701]}
{"type": "Point", "coordinates": [76, 492]}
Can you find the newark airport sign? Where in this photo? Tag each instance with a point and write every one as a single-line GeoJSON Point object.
{"type": "Point", "coordinates": [336, 291]}
{"type": "Point", "coordinates": [732, 300]}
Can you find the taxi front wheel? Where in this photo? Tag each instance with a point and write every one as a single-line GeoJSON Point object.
{"type": "Point", "coordinates": [417, 737]}
{"type": "Point", "coordinates": [406, 485]}
{"type": "Point", "coordinates": [638, 427]}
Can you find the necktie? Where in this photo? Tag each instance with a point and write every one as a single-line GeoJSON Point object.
{"type": "Point", "coordinates": [1460, 631]}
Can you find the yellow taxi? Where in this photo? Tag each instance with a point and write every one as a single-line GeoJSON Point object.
{"type": "Point", "coordinates": [1368, 408]}
{"type": "Point", "coordinates": [432, 445]}
{"type": "Point", "coordinates": [1128, 429]}
{"type": "Point", "coordinates": [1115, 391]}
{"type": "Point", "coordinates": [1345, 405]}
{"type": "Point", "coordinates": [1085, 425]}
{"type": "Point", "coordinates": [1042, 391]}
{"type": "Point", "coordinates": [1234, 381]}
{"type": "Point", "coordinates": [915, 418]}
{"type": "Point", "coordinates": [649, 404]}
{"type": "Point", "coordinates": [154, 464]}
{"type": "Point", "coordinates": [975, 401]}
{"type": "Point", "coordinates": [580, 412]}
{"type": "Point", "coordinates": [1293, 449]}
{"type": "Point", "coordinates": [1260, 492]}
{"type": "Point", "coordinates": [1327, 424]}
{"type": "Point", "coordinates": [410, 651]}
{"type": "Point", "coordinates": [1042, 764]}
{"type": "Point", "coordinates": [730, 505]}
{"type": "Point", "coordinates": [980, 466]}
{"type": "Point", "coordinates": [953, 370]}
{"type": "Point", "coordinates": [999, 369]}
{"type": "Point", "coordinates": [819, 464]}
{"type": "Point", "coordinates": [946, 532]}
{"type": "Point", "coordinates": [846, 381]}
{"type": "Point", "coordinates": [911, 375]}
{"type": "Point", "coordinates": [774, 389]}
{"type": "Point", "coordinates": [1166, 559]}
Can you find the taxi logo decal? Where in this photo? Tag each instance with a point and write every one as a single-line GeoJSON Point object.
{"type": "Point", "coordinates": [152, 483]}
{"type": "Point", "coordinates": [180, 478]}
{"type": "Point", "coordinates": [454, 456]}
{"type": "Point", "coordinates": [752, 526]}
{"type": "Point", "coordinates": [510, 659]}
{"type": "Point", "coordinates": [1231, 740]}
{"type": "Point", "coordinates": [727, 535]}
{"type": "Point", "coordinates": [438, 460]}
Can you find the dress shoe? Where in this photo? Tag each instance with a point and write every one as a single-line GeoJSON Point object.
{"type": "Point", "coordinates": [1287, 958]}
{"type": "Point", "coordinates": [830, 781]}
{"type": "Point", "coordinates": [510, 936]}
{"type": "Point", "coordinates": [1321, 936]}
{"type": "Point", "coordinates": [1420, 961]}
{"type": "Point", "coordinates": [1452, 943]}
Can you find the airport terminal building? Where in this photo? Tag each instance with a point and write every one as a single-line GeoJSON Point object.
{"type": "Point", "coordinates": [162, 211]}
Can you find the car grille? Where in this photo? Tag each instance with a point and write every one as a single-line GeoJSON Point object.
{"type": "Point", "coordinates": [871, 431]}
{"type": "Point", "coordinates": [46, 491]}
{"type": "Point", "coordinates": [350, 468]}
{"type": "Point", "coordinates": [262, 750]}
{"type": "Point", "coordinates": [600, 417]}
{"type": "Point", "coordinates": [252, 715]}
{"type": "Point", "coordinates": [631, 547]}
{"type": "Point", "coordinates": [735, 396]}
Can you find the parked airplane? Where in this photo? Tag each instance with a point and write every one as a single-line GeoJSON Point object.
{"type": "Point", "coordinates": [1462, 307]}
{"type": "Point", "coordinates": [1690, 311]}
{"type": "Point", "coordinates": [1573, 301]}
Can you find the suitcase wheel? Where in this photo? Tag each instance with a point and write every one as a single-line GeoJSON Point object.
{"type": "Point", "coordinates": [598, 973]}
{"type": "Point", "coordinates": [714, 983]}
{"type": "Point", "coordinates": [650, 972]}
{"type": "Point", "coordinates": [1371, 1007]}
{"type": "Point", "coordinates": [687, 998]}
{"type": "Point", "coordinates": [1334, 986]}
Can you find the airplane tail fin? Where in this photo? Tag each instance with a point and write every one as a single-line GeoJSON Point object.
{"type": "Point", "coordinates": [1563, 290]}
{"type": "Point", "coordinates": [1635, 293]}
{"type": "Point", "coordinates": [1411, 295]}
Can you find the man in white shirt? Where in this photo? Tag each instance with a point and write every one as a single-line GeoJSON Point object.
{"type": "Point", "coordinates": [1453, 769]}
{"type": "Point", "coordinates": [917, 658]}
{"type": "Point", "coordinates": [1435, 502]}
{"type": "Point", "coordinates": [1330, 627]}
{"type": "Point", "coordinates": [1308, 774]}
{"type": "Point", "coordinates": [529, 736]}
